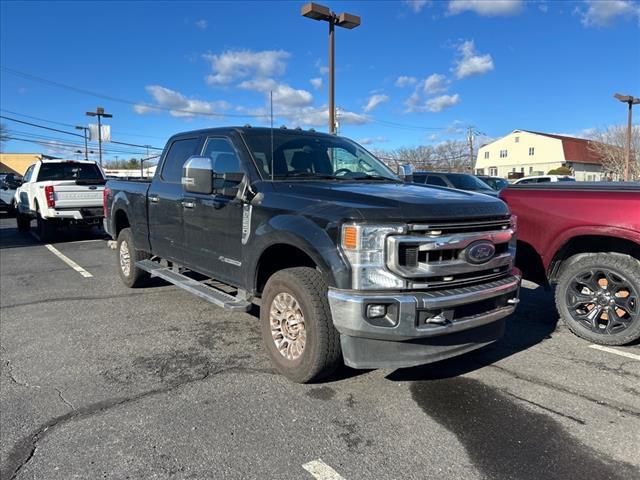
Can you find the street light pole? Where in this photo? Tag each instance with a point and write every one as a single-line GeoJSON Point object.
{"type": "Point", "coordinates": [99, 113]}
{"type": "Point", "coordinates": [345, 20]}
{"type": "Point", "coordinates": [86, 148]}
{"type": "Point", "coordinates": [631, 101]}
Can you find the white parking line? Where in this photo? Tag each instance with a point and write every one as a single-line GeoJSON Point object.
{"type": "Point", "coordinates": [64, 258]}
{"type": "Point", "coordinates": [321, 470]}
{"type": "Point", "coordinates": [616, 352]}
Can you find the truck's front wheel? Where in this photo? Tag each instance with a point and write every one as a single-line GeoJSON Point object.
{"type": "Point", "coordinates": [131, 275]}
{"type": "Point", "coordinates": [297, 327]}
{"type": "Point", "coordinates": [598, 297]}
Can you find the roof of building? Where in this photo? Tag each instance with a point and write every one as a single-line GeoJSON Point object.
{"type": "Point", "coordinates": [575, 149]}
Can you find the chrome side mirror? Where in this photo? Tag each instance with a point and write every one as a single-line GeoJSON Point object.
{"type": "Point", "coordinates": [197, 175]}
{"type": "Point", "coordinates": [406, 173]}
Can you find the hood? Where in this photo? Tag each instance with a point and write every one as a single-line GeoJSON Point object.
{"type": "Point", "coordinates": [404, 202]}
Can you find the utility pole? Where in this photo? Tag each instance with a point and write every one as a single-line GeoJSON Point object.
{"type": "Point", "coordinates": [86, 148]}
{"type": "Point", "coordinates": [345, 20]}
{"type": "Point", "coordinates": [99, 113]}
{"type": "Point", "coordinates": [471, 149]}
{"type": "Point", "coordinates": [631, 101]}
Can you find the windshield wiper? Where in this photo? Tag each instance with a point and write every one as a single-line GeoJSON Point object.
{"type": "Point", "coordinates": [308, 175]}
{"type": "Point", "coordinates": [366, 176]}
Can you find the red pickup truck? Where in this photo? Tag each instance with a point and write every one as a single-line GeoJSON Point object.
{"type": "Point", "coordinates": [584, 238]}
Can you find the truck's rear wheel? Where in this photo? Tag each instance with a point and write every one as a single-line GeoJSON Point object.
{"type": "Point", "coordinates": [23, 221]}
{"type": "Point", "coordinates": [297, 328]}
{"type": "Point", "coordinates": [598, 297]}
{"type": "Point", "coordinates": [131, 275]}
{"type": "Point", "coordinates": [46, 228]}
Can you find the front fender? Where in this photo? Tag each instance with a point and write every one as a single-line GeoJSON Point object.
{"type": "Point", "coordinates": [304, 234]}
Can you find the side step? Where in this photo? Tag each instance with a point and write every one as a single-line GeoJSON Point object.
{"type": "Point", "coordinates": [213, 295]}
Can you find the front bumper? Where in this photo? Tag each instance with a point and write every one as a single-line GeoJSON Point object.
{"type": "Point", "coordinates": [421, 327]}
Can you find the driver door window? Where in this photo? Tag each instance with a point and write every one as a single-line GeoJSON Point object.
{"type": "Point", "coordinates": [224, 160]}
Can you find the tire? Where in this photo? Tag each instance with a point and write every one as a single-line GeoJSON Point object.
{"type": "Point", "coordinates": [23, 221]}
{"type": "Point", "coordinates": [607, 284]}
{"type": "Point", "coordinates": [313, 352]}
{"type": "Point", "coordinates": [46, 228]}
{"type": "Point", "coordinates": [132, 276]}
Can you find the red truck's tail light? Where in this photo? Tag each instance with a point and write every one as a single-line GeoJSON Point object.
{"type": "Point", "coordinates": [106, 193]}
{"type": "Point", "coordinates": [49, 193]}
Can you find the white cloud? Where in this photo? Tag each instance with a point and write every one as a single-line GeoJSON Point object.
{"type": "Point", "coordinates": [435, 104]}
{"type": "Point", "coordinates": [371, 140]}
{"type": "Point", "coordinates": [470, 62]}
{"type": "Point", "coordinates": [374, 101]}
{"type": "Point", "coordinates": [442, 102]}
{"type": "Point", "coordinates": [318, 116]}
{"type": "Point", "coordinates": [405, 81]}
{"type": "Point", "coordinates": [323, 69]}
{"type": "Point", "coordinates": [485, 8]}
{"type": "Point", "coordinates": [543, 7]}
{"type": "Point", "coordinates": [435, 83]}
{"type": "Point", "coordinates": [238, 64]}
{"type": "Point", "coordinates": [283, 94]}
{"type": "Point", "coordinates": [417, 5]}
{"type": "Point", "coordinates": [604, 14]}
{"type": "Point", "coordinates": [316, 82]}
{"type": "Point", "coordinates": [178, 104]}
{"type": "Point", "coordinates": [201, 24]}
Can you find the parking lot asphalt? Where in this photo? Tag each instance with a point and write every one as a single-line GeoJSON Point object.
{"type": "Point", "coordinates": [101, 381]}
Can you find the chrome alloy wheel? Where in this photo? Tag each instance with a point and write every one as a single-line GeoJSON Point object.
{"type": "Point", "coordinates": [287, 326]}
{"type": "Point", "coordinates": [125, 259]}
{"type": "Point", "coordinates": [602, 301]}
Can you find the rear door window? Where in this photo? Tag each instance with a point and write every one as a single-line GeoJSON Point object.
{"type": "Point", "coordinates": [178, 153]}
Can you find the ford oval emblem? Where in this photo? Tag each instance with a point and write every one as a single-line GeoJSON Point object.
{"type": "Point", "coordinates": [480, 252]}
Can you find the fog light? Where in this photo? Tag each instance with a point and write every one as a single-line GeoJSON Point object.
{"type": "Point", "coordinates": [376, 311]}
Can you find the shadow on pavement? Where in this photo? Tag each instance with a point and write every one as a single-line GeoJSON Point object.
{"type": "Point", "coordinates": [533, 322]}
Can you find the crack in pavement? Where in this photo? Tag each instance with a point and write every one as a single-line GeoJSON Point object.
{"type": "Point", "coordinates": [554, 386]}
{"type": "Point", "coordinates": [78, 299]}
{"type": "Point", "coordinates": [22, 453]}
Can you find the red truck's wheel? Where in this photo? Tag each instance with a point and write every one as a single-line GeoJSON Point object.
{"type": "Point", "coordinates": [131, 275]}
{"type": "Point", "coordinates": [297, 328]}
{"type": "Point", "coordinates": [598, 297]}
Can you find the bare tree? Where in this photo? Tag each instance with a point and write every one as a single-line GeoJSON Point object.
{"type": "Point", "coordinates": [449, 156]}
{"type": "Point", "coordinates": [610, 145]}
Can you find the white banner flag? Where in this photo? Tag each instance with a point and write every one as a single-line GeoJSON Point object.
{"type": "Point", "coordinates": [93, 132]}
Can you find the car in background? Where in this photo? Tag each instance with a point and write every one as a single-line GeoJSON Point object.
{"type": "Point", "coordinates": [584, 238]}
{"type": "Point", "coordinates": [9, 183]}
{"type": "Point", "coordinates": [545, 179]}
{"type": "Point", "coordinates": [459, 181]}
{"type": "Point", "coordinates": [497, 183]}
{"type": "Point", "coordinates": [60, 192]}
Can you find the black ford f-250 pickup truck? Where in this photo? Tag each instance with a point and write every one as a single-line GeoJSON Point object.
{"type": "Point", "coordinates": [347, 261]}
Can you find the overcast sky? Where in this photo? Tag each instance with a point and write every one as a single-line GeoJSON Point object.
{"type": "Point", "coordinates": [413, 73]}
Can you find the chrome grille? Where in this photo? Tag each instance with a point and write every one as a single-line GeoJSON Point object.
{"type": "Point", "coordinates": [435, 255]}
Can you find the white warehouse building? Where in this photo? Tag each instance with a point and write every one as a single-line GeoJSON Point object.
{"type": "Point", "coordinates": [523, 153]}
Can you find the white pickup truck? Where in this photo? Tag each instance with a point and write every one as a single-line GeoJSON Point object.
{"type": "Point", "coordinates": [60, 192]}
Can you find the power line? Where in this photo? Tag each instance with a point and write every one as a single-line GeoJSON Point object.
{"type": "Point", "coordinates": [123, 100]}
{"type": "Point", "coordinates": [73, 133]}
{"type": "Point", "coordinates": [57, 143]}
{"type": "Point", "coordinates": [189, 112]}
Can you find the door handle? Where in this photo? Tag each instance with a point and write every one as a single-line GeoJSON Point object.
{"type": "Point", "coordinates": [154, 198]}
{"type": "Point", "coordinates": [188, 203]}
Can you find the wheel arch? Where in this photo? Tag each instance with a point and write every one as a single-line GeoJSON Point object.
{"type": "Point", "coordinates": [591, 244]}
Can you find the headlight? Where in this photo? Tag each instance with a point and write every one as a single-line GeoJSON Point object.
{"type": "Point", "coordinates": [364, 247]}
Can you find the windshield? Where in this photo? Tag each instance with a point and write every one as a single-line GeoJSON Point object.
{"type": "Point", "coordinates": [69, 171]}
{"type": "Point", "coordinates": [463, 181]}
{"type": "Point", "coordinates": [313, 156]}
